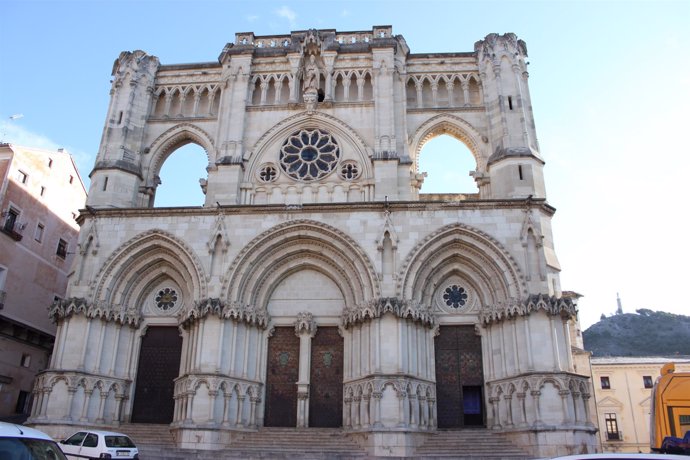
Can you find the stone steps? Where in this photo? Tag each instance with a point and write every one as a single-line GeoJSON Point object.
{"type": "Point", "coordinates": [155, 442]}
{"type": "Point", "coordinates": [474, 443]}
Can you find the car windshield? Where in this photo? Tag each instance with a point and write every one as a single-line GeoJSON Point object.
{"type": "Point", "coordinates": [118, 441]}
{"type": "Point", "coordinates": [30, 449]}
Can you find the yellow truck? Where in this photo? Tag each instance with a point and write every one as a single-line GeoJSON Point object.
{"type": "Point", "coordinates": [669, 427]}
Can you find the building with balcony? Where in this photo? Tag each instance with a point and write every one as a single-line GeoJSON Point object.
{"type": "Point", "coordinates": [41, 193]}
{"type": "Point", "coordinates": [622, 388]}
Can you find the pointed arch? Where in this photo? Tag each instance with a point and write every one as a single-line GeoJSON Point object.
{"type": "Point", "coordinates": [344, 133]}
{"type": "Point", "coordinates": [142, 262]}
{"type": "Point", "coordinates": [303, 244]}
{"type": "Point", "coordinates": [455, 127]}
{"type": "Point", "coordinates": [467, 252]}
{"type": "Point", "coordinates": [172, 139]}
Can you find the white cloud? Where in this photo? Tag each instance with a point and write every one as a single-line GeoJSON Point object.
{"type": "Point", "coordinates": [287, 13]}
{"type": "Point", "coordinates": [252, 17]}
{"type": "Point", "coordinates": [345, 13]}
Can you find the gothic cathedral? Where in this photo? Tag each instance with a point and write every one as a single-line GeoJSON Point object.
{"type": "Point", "coordinates": [317, 286]}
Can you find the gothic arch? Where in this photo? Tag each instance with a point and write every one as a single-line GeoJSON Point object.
{"type": "Point", "coordinates": [468, 252]}
{"type": "Point", "coordinates": [172, 139]}
{"type": "Point", "coordinates": [142, 260]}
{"type": "Point", "coordinates": [280, 131]}
{"type": "Point", "coordinates": [455, 127]}
{"type": "Point", "coordinates": [282, 250]}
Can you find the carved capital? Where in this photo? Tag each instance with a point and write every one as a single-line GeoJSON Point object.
{"type": "Point", "coordinates": [305, 324]}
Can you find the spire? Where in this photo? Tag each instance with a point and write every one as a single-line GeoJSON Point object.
{"type": "Point", "coordinates": [619, 310]}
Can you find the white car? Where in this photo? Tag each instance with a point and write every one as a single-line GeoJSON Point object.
{"type": "Point", "coordinates": [99, 444]}
{"type": "Point", "coordinates": [19, 442]}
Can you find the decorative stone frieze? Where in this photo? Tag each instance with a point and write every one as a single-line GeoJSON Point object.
{"type": "Point", "coordinates": [557, 306]}
{"type": "Point", "coordinates": [305, 324]}
{"type": "Point", "coordinates": [377, 308]}
{"type": "Point", "coordinates": [64, 308]}
{"type": "Point", "coordinates": [249, 314]}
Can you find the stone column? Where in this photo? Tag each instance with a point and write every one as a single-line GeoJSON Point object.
{"type": "Point", "coordinates": [305, 329]}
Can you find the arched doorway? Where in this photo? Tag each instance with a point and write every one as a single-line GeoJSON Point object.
{"type": "Point", "coordinates": [159, 366]}
{"type": "Point", "coordinates": [179, 178]}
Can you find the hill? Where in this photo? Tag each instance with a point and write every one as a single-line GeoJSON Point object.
{"type": "Point", "coordinates": [646, 333]}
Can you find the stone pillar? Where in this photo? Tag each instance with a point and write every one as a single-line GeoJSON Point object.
{"type": "Point", "coordinates": [305, 329]}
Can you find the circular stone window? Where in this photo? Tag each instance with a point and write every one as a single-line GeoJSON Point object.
{"type": "Point", "coordinates": [349, 170]}
{"type": "Point", "coordinates": [455, 296]}
{"type": "Point", "coordinates": [309, 155]}
{"type": "Point", "coordinates": [166, 298]}
{"type": "Point", "coordinates": [268, 173]}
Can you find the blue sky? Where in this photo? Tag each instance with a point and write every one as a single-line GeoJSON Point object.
{"type": "Point", "coordinates": [610, 86]}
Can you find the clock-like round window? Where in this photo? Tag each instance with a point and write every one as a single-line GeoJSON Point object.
{"type": "Point", "coordinates": [309, 155]}
{"type": "Point", "coordinates": [166, 298]}
{"type": "Point", "coordinates": [455, 296]}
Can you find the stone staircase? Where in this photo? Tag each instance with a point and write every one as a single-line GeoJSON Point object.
{"type": "Point", "coordinates": [155, 442]}
{"type": "Point", "coordinates": [469, 444]}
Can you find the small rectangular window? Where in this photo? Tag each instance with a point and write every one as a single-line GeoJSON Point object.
{"type": "Point", "coordinates": [38, 234]}
{"type": "Point", "coordinates": [50, 162]}
{"type": "Point", "coordinates": [105, 183]}
{"type": "Point", "coordinates": [22, 177]}
{"type": "Point", "coordinates": [43, 190]}
{"type": "Point", "coordinates": [520, 172]}
{"type": "Point", "coordinates": [71, 179]}
{"type": "Point", "coordinates": [647, 380]}
{"type": "Point", "coordinates": [62, 248]}
{"type": "Point", "coordinates": [605, 383]}
{"type": "Point", "coordinates": [26, 360]}
{"type": "Point", "coordinates": [510, 102]}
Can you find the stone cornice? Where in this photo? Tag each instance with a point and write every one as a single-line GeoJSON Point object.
{"type": "Point", "coordinates": [561, 306]}
{"type": "Point", "coordinates": [377, 308]}
{"type": "Point", "coordinates": [234, 311]}
{"type": "Point", "coordinates": [310, 208]}
{"type": "Point", "coordinates": [64, 308]}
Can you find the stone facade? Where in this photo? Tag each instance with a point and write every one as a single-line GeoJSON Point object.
{"type": "Point", "coordinates": [314, 221]}
{"type": "Point", "coordinates": [40, 197]}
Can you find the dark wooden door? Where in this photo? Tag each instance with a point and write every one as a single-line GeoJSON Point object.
{"type": "Point", "coordinates": [159, 366]}
{"type": "Point", "coordinates": [326, 379]}
{"type": "Point", "coordinates": [281, 378]}
{"type": "Point", "coordinates": [459, 377]}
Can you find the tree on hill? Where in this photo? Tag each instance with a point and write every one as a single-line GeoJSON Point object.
{"type": "Point", "coordinates": [646, 333]}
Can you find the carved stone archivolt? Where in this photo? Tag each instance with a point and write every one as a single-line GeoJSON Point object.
{"type": "Point", "coordinates": [249, 314]}
{"type": "Point", "coordinates": [556, 306]}
{"type": "Point", "coordinates": [377, 308]}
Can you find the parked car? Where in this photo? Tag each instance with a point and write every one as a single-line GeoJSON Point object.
{"type": "Point", "coordinates": [99, 444]}
{"type": "Point", "coordinates": [19, 442]}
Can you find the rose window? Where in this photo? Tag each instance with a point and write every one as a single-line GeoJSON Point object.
{"type": "Point", "coordinates": [268, 173]}
{"type": "Point", "coordinates": [166, 298]}
{"type": "Point", "coordinates": [309, 154]}
{"type": "Point", "coordinates": [455, 296]}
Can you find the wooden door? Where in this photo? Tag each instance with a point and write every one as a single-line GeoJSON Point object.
{"type": "Point", "coordinates": [159, 366]}
{"type": "Point", "coordinates": [281, 378]}
{"type": "Point", "coordinates": [459, 377]}
{"type": "Point", "coordinates": [326, 379]}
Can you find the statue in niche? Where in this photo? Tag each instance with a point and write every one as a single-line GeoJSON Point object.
{"type": "Point", "coordinates": [310, 83]}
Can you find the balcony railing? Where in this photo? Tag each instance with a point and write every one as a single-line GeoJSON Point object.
{"type": "Point", "coordinates": [614, 436]}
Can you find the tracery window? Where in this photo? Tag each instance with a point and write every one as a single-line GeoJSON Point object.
{"type": "Point", "coordinates": [455, 296]}
{"type": "Point", "coordinates": [309, 155]}
{"type": "Point", "coordinates": [268, 173]}
{"type": "Point", "coordinates": [166, 298]}
{"type": "Point", "coordinates": [349, 170]}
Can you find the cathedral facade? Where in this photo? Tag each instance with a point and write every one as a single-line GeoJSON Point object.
{"type": "Point", "coordinates": [316, 286]}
